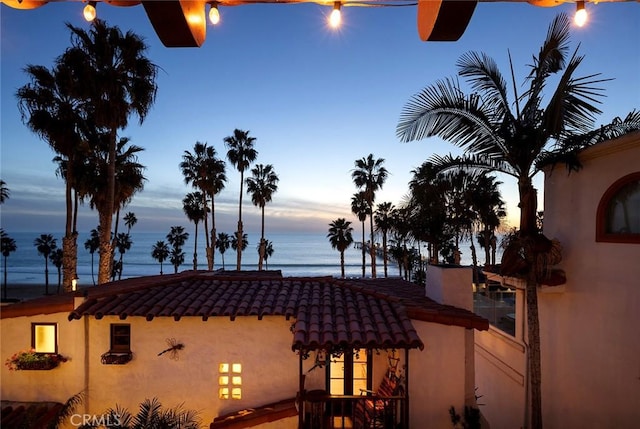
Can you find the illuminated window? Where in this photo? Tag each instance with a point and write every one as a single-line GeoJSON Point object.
{"type": "Point", "coordinates": [618, 216]}
{"type": "Point", "coordinates": [44, 337]}
{"type": "Point", "coordinates": [230, 381]}
{"type": "Point", "coordinates": [349, 373]}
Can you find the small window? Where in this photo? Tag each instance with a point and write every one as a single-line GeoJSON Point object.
{"type": "Point", "coordinates": [44, 337]}
{"type": "Point", "coordinates": [230, 381]}
{"type": "Point", "coordinates": [618, 216]}
{"type": "Point", "coordinates": [120, 338]}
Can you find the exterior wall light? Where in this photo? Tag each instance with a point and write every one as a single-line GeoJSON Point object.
{"type": "Point", "coordinates": [581, 16]}
{"type": "Point", "coordinates": [214, 14]}
{"type": "Point", "coordinates": [336, 16]}
{"type": "Point", "coordinates": [89, 11]}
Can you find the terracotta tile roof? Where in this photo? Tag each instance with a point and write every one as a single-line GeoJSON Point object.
{"type": "Point", "coordinates": [35, 415]}
{"type": "Point", "coordinates": [325, 312]}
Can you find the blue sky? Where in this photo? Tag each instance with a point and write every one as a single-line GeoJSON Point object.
{"type": "Point", "coordinates": [315, 99]}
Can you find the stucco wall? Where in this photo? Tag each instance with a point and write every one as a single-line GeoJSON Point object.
{"type": "Point", "coordinates": [58, 384]}
{"type": "Point", "coordinates": [437, 375]}
{"type": "Point", "coordinates": [590, 347]}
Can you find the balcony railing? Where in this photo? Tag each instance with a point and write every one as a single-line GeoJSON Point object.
{"type": "Point", "coordinates": [324, 411]}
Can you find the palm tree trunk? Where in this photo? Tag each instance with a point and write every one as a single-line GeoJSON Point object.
{"type": "Point", "coordinates": [373, 243]}
{"type": "Point", "coordinates": [4, 286]}
{"type": "Point", "coordinates": [105, 261]}
{"type": "Point", "coordinates": [195, 249]}
{"type": "Point", "coordinates": [46, 276]}
{"type": "Point", "coordinates": [384, 252]}
{"type": "Point", "coordinates": [364, 258]}
{"type": "Point", "coordinates": [69, 249]}
{"type": "Point", "coordinates": [208, 251]}
{"type": "Point", "coordinates": [239, 232]}
{"type": "Point", "coordinates": [341, 263]}
{"type": "Point", "coordinates": [213, 233]}
{"type": "Point", "coordinates": [262, 249]}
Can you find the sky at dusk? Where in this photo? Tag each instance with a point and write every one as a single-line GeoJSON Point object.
{"type": "Point", "coordinates": [314, 98]}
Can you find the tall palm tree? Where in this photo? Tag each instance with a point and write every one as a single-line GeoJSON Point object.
{"type": "Point", "coordinates": [340, 238]}
{"type": "Point", "coordinates": [117, 81]}
{"type": "Point", "coordinates": [262, 186]}
{"type": "Point", "coordinates": [222, 244]}
{"type": "Point", "coordinates": [487, 202]}
{"type": "Point", "coordinates": [268, 252]}
{"type": "Point", "coordinates": [205, 172]}
{"type": "Point", "coordinates": [383, 220]}
{"type": "Point", "coordinates": [51, 109]}
{"type": "Point", "coordinates": [240, 154]}
{"type": "Point", "coordinates": [195, 210]}
{"type": "Point", "coordinates": [92, 244]}
{"type": "Point", "coordinates": [4, 192]}
{"type": "Point", "coordinates": [543, 128]}
{"type": "Point", "coordinates": [369, 176]}
{"type": "Point", "coordinates": [360, 207]}
{"type": "Point", "coordinates": [176, 257]}
{"type": "Point", "coordinates": [7, 247]}
{"type": "Point", "coordinates": [45, 244]}
{"type": "Point", "coordinates": [56, 259]}
{"type": "Point", "coordinates": [177, 237]}
{"type": "Point", "coordinates": [160, 253]}
{"type": "Point", "coordinates": [123, 243]}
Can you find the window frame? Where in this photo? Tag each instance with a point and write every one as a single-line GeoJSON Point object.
{"type": "Point", "coordinates": [34, 326]}
{"type": "Point", "coordinates": [601, 215]}
{"type": "Point", "coordinates": [116, 348]}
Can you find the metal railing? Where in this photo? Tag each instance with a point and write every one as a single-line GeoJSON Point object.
{"type": "Point", "coordinates": [356, 412]}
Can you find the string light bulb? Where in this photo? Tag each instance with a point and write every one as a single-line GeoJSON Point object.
{"type": "Point", "coordinates": [214, 14]}
{"type": "Point", "coordinates": [89, 11]}
{"type": "Point", "coordinates": [336, 17]}
{"type": "Point", "coordinates": [581, 16]}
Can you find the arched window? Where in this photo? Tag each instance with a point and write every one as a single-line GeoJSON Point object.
{"type": "Point", "coordinates": [618, 217]}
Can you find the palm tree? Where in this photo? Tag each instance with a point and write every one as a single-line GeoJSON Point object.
{"type": "Point", "coordinates": [151, 414]}
{"type": "Point", "coordinates": [4, 192]}
{"type": "Point", "coordinates": [195, 210]}
{"type": "Point", "coordinates": [7, 246]}
{"type": "Point", "coordinates": [92, 244]}
{"type": "Point", "coordinates": [222, 244]}
{"type": "Point", "coordinates": [369, 176]}
{"type": "Point", "coordinates": [94, 178]}
{"type": "Point", "coordinates": [268, 252]}
{"type": "Point", "coordinates": [206, 173]}
{"type": "Point", "coordinates": [488, 204]}
{"type": "Point", "coordinates": [160, 253]}
{"type": "Point", "coordinates": [45, 244]}
{"type": "Point", "coordinates": [123, 243]}
{"type": "Point", "coordinates": [56, 259]}
{"type": "Point", "coordinates": [340, 238]}
{"type": "Point", "coordinates": [544, 128]}
{"type": "Point", "coordinates": [243, 244]}
{"type": "Point", "coordinates": [130, 219]}
{"type": "Point", "coordinates": [360, 207]}
{"type": "Point", "coordinates": [117, 80]}
{"type": "Point", "coordinates": [383, 220]}
{"type": "Point", "coordinates": [49, 107]}
{"type": "Point", "coordinates": [261, 186]}
{"type": "Point", "coordinates": [176, 237]}
{"type": "Point", "coordinates": [240, 154]}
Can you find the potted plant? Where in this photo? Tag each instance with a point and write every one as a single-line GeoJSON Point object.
{"type": "Point", "coordinates": [32, 360]}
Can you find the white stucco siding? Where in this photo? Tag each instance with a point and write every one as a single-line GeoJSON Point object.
{"type": "Point", "coordinates": [590, 348]}
{"type": "Point", "coordinates": [58, 384]}
{"type": "Point", "coordinates": [263, 347]}
{"type": "Point", "coordinates": [437, 375]}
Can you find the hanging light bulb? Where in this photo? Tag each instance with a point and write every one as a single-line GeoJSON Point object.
{"type": "Point", "coordinates": [336, 16]}
{"type": "Point", "coordinates": [89, 11]}
{"type": "Point", "coordinates": [581, 14]}
{"type": "Point", "coordinates": [214, 14]}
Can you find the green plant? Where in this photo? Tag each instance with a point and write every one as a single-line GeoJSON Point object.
{"type": "Point", "coordinates": [30, 359]}
{"type": "Point", "coordinates": [471, 418]}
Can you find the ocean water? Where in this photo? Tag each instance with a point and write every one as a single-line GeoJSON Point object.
{"type": "Point", "coordinates": [295, 254]}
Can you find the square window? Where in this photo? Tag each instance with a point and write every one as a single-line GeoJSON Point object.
{"type": "Point", "coordinates": [44, 337]}
{"type": "Point", "coordinates": [223, 368]}
{"type": "Point", "coordinates": [223, 393]}
{"type": "Point", "coordinates": [120, 338]}
{"type": "Point", "coordinates": [236, 368]}
{"type": "Point", "coordinates": [236, 393]}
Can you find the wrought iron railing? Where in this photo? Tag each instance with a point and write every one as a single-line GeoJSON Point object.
{"type": "Point", "coordinates": [357, 412]}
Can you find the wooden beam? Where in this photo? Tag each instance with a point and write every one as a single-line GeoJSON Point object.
{"type": "Point", "coordinates": [444, 20]}
{"type": "Point", "coordinates": [178, 23]}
